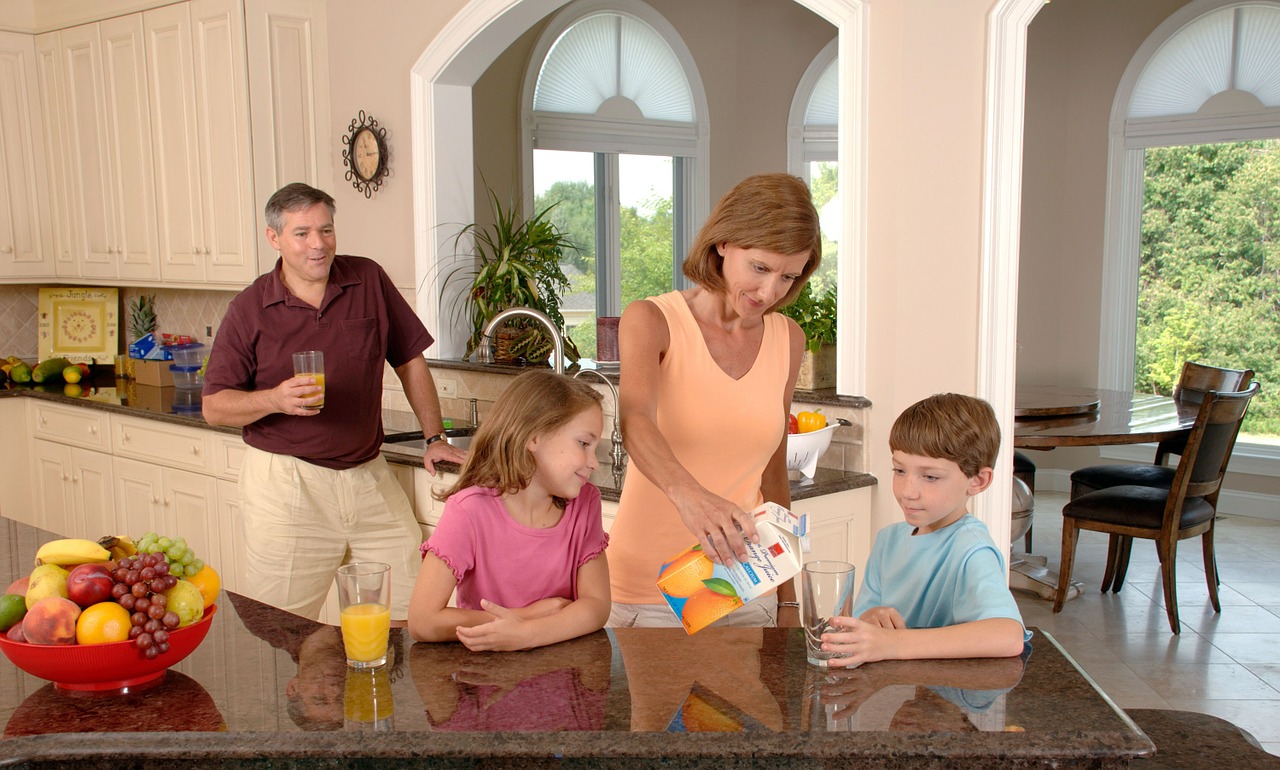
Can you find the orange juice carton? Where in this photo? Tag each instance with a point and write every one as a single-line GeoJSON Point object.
{"type": "Point", "coordinates": [701, 592]}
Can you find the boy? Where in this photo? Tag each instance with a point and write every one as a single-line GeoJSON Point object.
{"type": "Point", "coordinates": [935, 584]}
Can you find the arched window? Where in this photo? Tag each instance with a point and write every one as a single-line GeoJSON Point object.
{"type": "Point", "coordinates": [614, 134]}
{"type": "Point", "coordinates": [813, 131]}
{"type": "Point", "coordinates": [1208, 76]}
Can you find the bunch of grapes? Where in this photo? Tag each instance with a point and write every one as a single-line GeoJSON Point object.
{"type": "Point", "coordinates": [140, 584]}
{"type": "Point", "coordinates": [182, 560]}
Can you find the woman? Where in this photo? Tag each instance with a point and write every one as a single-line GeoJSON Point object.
{"type": "Point", "coordinates": [703, 403]}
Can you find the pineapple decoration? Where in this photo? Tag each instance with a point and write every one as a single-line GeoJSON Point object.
{"type": "Point", "coordinates": [142, 321]}
{"type": "Point", "coordinates": [142, 316]}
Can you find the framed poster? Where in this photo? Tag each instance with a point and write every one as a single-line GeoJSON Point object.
{"type": "Point", "coordinates": [79, 324]}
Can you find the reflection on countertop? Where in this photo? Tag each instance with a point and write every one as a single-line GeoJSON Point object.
{"type": "Point", "coordinates": [271, 686]}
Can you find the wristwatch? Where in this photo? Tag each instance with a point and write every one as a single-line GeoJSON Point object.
{"type": "Point", "coordinates": [433, 439]}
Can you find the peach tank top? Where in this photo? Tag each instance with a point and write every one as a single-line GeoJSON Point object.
{"type": "Point", "coordinates": [722, 430]}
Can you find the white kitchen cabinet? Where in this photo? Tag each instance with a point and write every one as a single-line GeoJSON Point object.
{"type": "Point", "coordinates": [200, 107]}
{"type": "Point", "coordinates": [59, 232]}
{"type": "Point", "coordinates": [106, 133]}
{"type": "Point", "coordinates": [15, 470]}
{"type": "Point", "coordinates": [169, 502]}
{"type": "Point", "coordinates": [73, 490]}
{"type": "Point", "coordinates": [22, 252]}
{"type": "Point", "coordinates": [229, 558]}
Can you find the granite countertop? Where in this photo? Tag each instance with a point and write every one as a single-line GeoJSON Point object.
{"type": "Point", "coordinates": [270, 689]}
{"type": "Point", "coordinates": [107, 393]}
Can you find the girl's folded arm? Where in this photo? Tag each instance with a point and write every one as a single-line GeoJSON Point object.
{"type": "Point", "coordinates": [430, 617]}
{"type": "Point", "coordinates": [587, 614]}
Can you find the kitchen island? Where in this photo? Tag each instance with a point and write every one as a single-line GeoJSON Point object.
{"type": "Point", "coordinates": [270, 689]}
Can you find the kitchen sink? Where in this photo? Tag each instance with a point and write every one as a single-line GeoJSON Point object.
{"type": "Point", "coordinates": [459, 437]}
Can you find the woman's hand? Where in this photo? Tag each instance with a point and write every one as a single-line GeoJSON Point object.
{"type": "Point", "coordinates": [721, 527]}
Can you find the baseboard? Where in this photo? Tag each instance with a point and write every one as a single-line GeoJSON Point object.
{"type": "Point", "coordinates": [1231, 503]}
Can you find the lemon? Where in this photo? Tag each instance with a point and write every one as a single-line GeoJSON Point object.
{"type": "Point", "coordinates": [12, 608]}
{"type": "Point", "coordinates": [102, 623]}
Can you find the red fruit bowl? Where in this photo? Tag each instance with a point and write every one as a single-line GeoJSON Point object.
{"type": "Point", "coordinates": [112, 666]}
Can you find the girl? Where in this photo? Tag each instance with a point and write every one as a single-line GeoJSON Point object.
{"type": "Point", "coordinates": [520, 537]}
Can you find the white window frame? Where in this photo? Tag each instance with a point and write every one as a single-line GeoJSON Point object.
{"type": "Point", "coordinates": [1128, 141]}
{"type": "Point", "coordinates": [686, 144]}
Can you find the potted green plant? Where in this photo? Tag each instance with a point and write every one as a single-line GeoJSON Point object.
{"type": "Point", "coordinates": [517, 265]}
{"type": "Point", "coordinates": [817, 318]}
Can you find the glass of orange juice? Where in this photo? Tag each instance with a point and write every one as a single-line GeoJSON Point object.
{"type": "Point", "coordinates": [310, 363]}
{"type": "Point", "coordinates": [364, 610]}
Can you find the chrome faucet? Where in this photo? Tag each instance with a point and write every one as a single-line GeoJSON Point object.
{"type": "Point", "coordinates": [485, 354]}
{"type": "Point", "coordinates": [616, 452]}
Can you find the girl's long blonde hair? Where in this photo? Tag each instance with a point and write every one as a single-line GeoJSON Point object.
{"type": "Point", "coordinates": [535, 403]}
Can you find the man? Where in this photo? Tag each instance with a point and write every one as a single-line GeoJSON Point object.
{"type": "Point", "coordinates": [315, 491]}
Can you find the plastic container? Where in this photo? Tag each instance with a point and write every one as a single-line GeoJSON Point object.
{"type": "Point", "coordinates": [191, 354]}
{"type": "Point", "coordinates": [187, 377]}
{"type": "Point", "coordinates": [804, 449]}
{"type": "Point", "coordinates": [186, 401]}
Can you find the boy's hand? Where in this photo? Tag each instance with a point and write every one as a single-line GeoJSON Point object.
{"type": "Point", "coordinates": [858, 643]}
{"type": "Point", "coordinates": [884, 617]}
{"type": "Point", "coordinates": [504, 633]}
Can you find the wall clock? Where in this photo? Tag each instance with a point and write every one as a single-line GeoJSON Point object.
{"type": "Point", "coordinates": [365, 155]}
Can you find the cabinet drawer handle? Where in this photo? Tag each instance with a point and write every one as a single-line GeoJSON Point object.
{"type": "Point", "coordinates": [195, 450]}
{"type": "Point", "coordinates": [93, 430]}
{"type": "Point", "coordinates": [7, 250]}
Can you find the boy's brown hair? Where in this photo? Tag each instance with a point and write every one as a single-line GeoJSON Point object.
{"type": "Point", "coordinates": [949, 426]}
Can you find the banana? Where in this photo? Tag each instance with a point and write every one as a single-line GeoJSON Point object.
{"type": "Point", "coordinates": [120, 546]}
{"type": "Point", "coordinates": [71, 551]}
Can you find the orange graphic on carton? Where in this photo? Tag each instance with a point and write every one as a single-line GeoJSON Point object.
{"type": "Point", "coordinates": [701, 592]}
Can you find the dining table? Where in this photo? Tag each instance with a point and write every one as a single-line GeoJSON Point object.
{"type": "Point", "coordinates": [270, 689]}
{"type": "Point", "coordinates": [1051, 416]}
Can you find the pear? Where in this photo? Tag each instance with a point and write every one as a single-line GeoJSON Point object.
{"type": "Point", "coordinates": [46, 580]}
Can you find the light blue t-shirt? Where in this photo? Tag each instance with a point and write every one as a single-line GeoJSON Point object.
{"type": "Point", "coordinates": [955, 575]}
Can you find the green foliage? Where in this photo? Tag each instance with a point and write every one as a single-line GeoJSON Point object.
{"type": "Point", "coordinates": [518, 265]}
{"type": "Point", "coordinates": [816, 316]}
{"type": "Point", "coordinates": [1209, 281]}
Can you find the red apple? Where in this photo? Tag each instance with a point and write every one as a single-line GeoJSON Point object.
{"type": "Point", "coordinates": [89, 584]}
{"type": "Point", "coordinates": [19, 586]}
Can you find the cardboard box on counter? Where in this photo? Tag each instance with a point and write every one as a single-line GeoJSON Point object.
{"type": "Point", "coordinates": [154, 373]}
{"type": "Point", "coordinates": [152, 398]}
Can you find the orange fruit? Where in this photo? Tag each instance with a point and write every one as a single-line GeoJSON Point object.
{"type": "Point", "coordinates": [684, 574]}
{"type": "Point", "coordinates": [706, 607]}
{"type": "Point", "coordinates": [208, 582]}
{"type": "Point", "coordinates": [102, 623]}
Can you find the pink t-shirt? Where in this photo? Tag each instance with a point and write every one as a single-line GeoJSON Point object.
{"type": "Point", "coordinates": [496, 558]}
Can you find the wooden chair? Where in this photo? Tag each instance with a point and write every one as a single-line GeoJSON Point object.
{"type": "Point", "coordinates": [1193, 383]}
{"type": "Point", "coordinates": [1186, 509]}
{"type": "Point", "coordinates": [1025, 469]}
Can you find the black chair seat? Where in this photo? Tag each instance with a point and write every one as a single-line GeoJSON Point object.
{"type": "Point", "coordinates": [1022, 463]}
{"type": "Point", "coordinates": [1096, 477]}
{"type": "Point", "coordinates": [1135, 506]}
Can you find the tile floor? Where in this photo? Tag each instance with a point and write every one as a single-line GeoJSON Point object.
{"type": "Point", "coordinates": [1227, 664]}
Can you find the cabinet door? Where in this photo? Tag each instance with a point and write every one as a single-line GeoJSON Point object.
{"type": "Point", "coordinates": [124, 68]}
{"type": "Point", "coordinates": [92, 482]}
{"type": "Point", "coordinates": [139, 495]}
{"type": "Point", "coordinates": [229, 561]}
{"type": "Point", "coordinates": [59, 238]}
{"type": "Point", "coordinates": [222, 119]}
{"type": "Point", "coordinates": [171, 89]}
{"type": "Point", "coordinates": [190, 510]}
{"type": "Point", "coordinates": [21, 154]}
{"type": "Point", "coordinates": [92, 197]}
{"type": "Point", "coordinates": [54, 502]}
{"type": "Point", "coordinates": [15, 469]}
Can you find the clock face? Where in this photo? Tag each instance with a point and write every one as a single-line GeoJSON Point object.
{"type": "Point", "coordinates": [367, 154]}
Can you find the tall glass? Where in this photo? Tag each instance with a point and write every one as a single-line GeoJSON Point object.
{"type": "Point", "coordinates": [827, 588]}
{"type": "Point", "coordinates": [310, 363]}
{"type": "Point", "coordinates": [364, 604]}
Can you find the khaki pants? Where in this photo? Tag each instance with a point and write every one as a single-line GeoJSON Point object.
{"type": "Point", "coordinates": [301, 522]}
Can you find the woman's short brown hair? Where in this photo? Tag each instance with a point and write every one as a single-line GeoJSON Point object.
{"type": "Point", "coordinates": [949, 426]}
{"type": "Point", "coordinates": [535, 403]}
{"type": "Point", "coordinates": [774, 212]}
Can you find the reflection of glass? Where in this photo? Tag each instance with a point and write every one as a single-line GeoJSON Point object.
{"type": "Point", "coordinates": [367, 702]}
{"type": "Point", "coordinates": [911, 696]}
{"type": "Point", "coordinates": [560, 687]}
